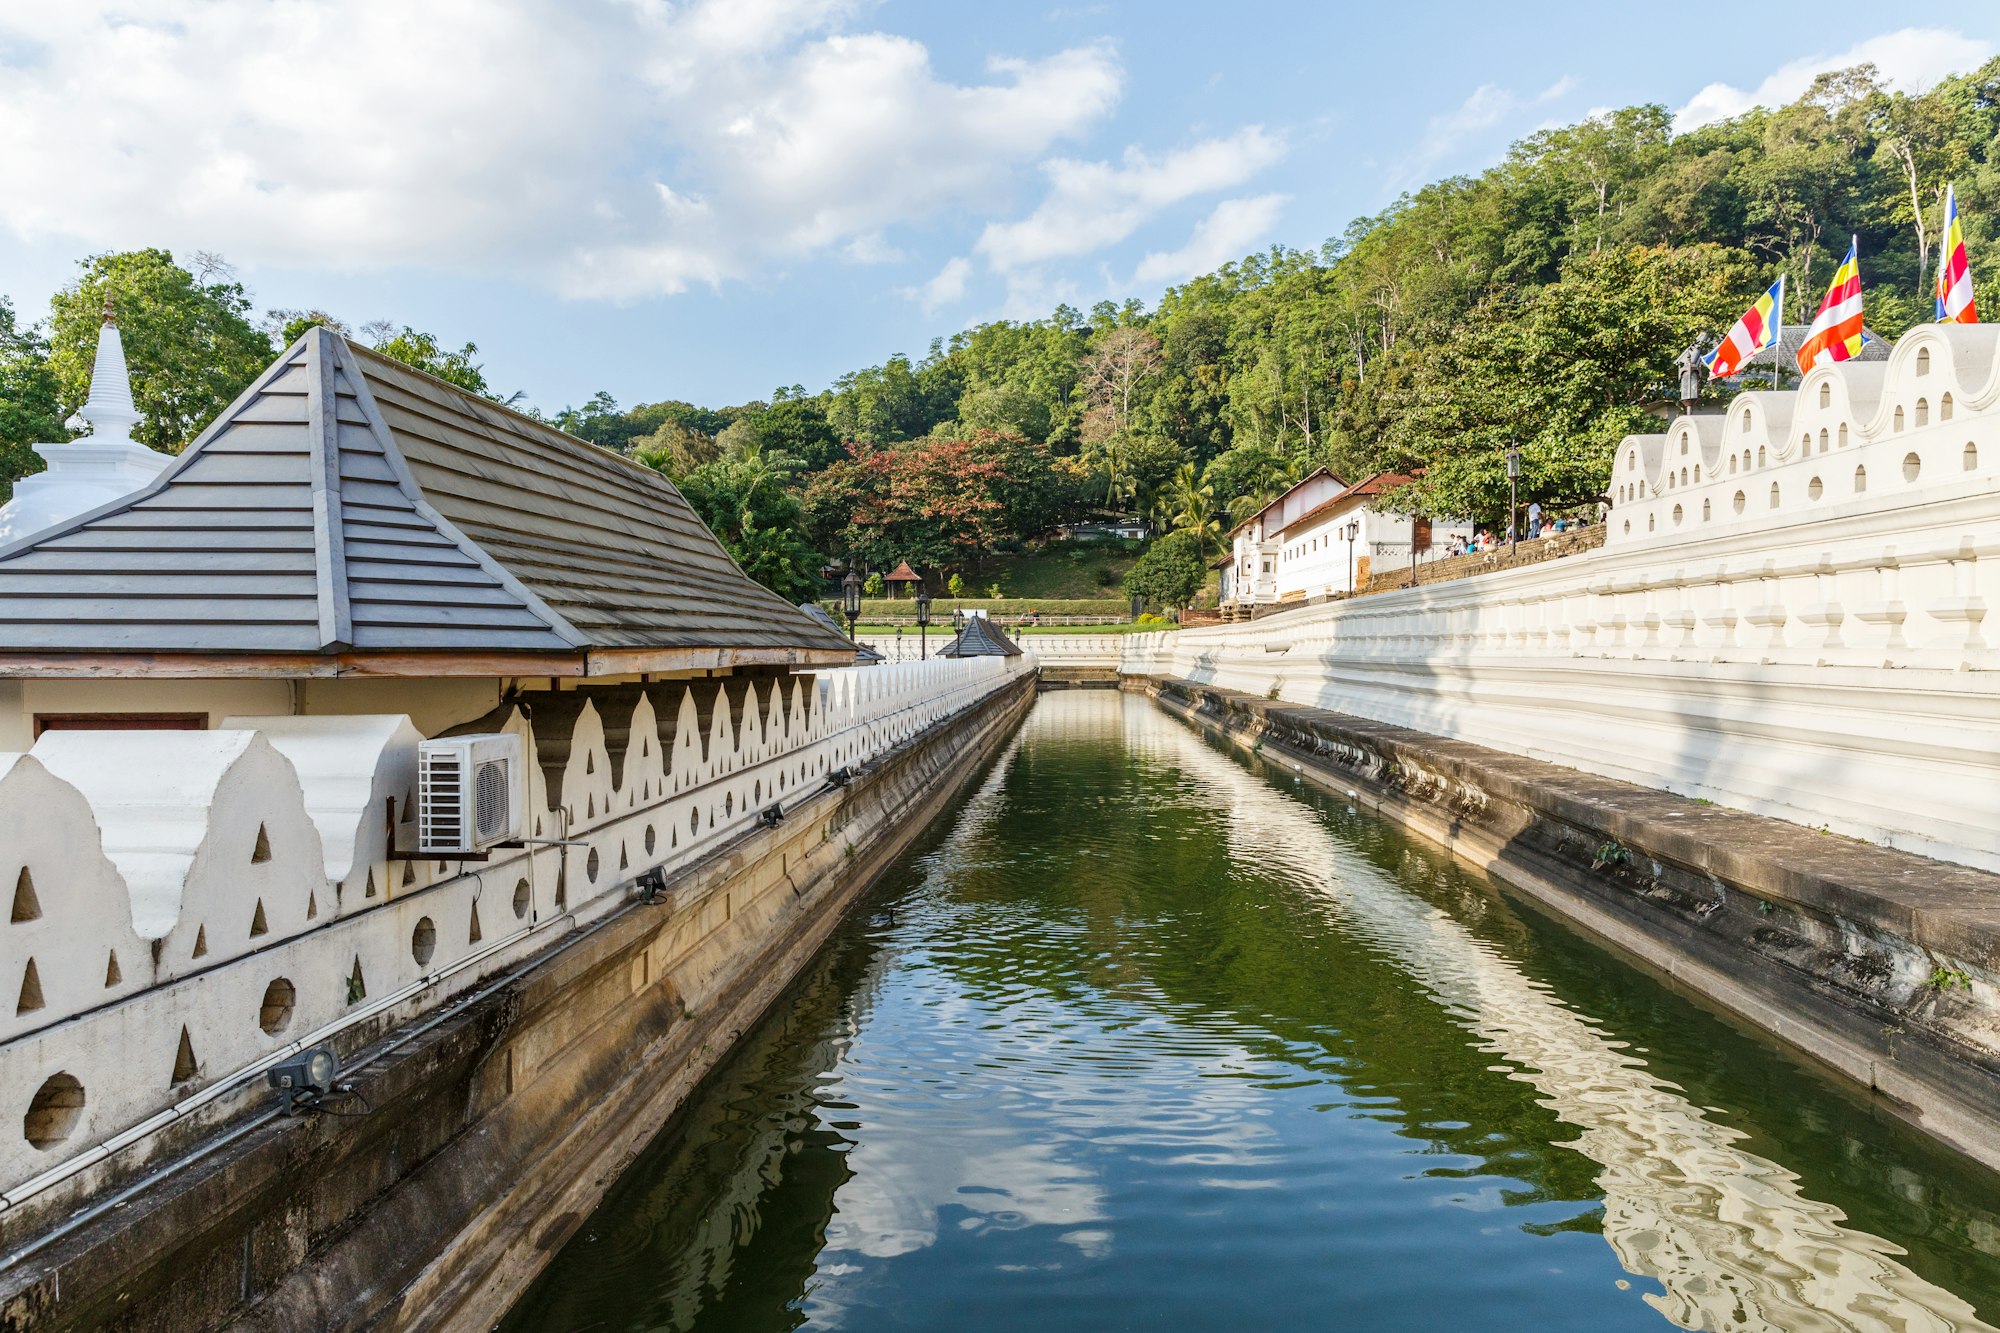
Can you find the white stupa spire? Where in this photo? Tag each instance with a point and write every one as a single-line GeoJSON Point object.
{"type": "Point", "coordinates": [105, 465]}
{"type": "Point", "coordinates": [109, 410]}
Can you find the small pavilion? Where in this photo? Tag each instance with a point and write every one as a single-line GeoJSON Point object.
{"type": "Point", "coordinates": [902, 579]}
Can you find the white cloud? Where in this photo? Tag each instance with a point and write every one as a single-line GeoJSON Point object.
{"type": "Point", "coordinates": [1091, 205]}
{"type": "Point", "coordinates": [1488, 106]}
{"type": "Point", "coordinates": [872, 248]}
{"type": "Point", "coordinates": [946, 288]}
{"type": "Point", "coordinates": [613, 151]}
{"type": "Point", "coordinates": [1911, 59]}
{"type": "Point", "coordinates": [1228, 233]}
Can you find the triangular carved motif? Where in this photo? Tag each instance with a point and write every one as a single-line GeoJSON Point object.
{"type": "Point", "coordinates": [185, 1067]}
{"type": "Point", "coordinates": [31, 991]}
{"type": "Point", "coordinates": [27, 907]}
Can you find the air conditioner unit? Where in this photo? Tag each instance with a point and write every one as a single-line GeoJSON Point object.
{"type": "Point", "coordinates": [470, 793]}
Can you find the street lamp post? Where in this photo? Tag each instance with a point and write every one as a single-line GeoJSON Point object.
{"type": "Point", "coordinates": [923, 621]}
{"type": "Point", "coordinates": [850, 588]}
{"type": "Point", "coordinates": [1353, 530]}
{"type": "Point", "coordinates": [1513, 494]}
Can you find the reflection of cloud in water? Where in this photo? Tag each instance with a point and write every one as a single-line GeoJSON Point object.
{"type": "Point", "coordinates": [995, 1145]}
{"type": "Point", "coordinates": [1728, 1234]}
{"type": "Point", "coordinates": [891, 1204]}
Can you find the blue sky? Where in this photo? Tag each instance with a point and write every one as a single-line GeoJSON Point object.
{"type": "Point", "coordinates": [703, 201]}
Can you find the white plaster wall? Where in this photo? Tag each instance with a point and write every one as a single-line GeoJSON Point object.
{"type": "Point", "coordinates": [145, 842]}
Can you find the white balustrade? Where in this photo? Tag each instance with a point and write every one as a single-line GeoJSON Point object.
{"type": "Point", "coordinates": [187, 907]}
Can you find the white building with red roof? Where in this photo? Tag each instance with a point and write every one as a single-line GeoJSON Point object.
{"type": "Point", "coordinates": [1320, 539]}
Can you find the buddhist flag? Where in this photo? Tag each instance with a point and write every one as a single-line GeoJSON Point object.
{"type": "Point", "coordinates": [1754, 332]}
{"type": "Point", "coordinates": [1954, 275]}
{"type": "Point", "coordinates": [1835, 334]}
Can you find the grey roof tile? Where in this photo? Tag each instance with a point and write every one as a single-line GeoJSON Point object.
{"type": "Point", "coordinates": [389, 513]}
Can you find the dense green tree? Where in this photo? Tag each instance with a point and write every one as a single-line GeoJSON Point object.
{"type": "Point", "coordinates": [898, 400]}
{"type": "Point", "coordinates": [1170, 573]}
{"type": "Point", "coordinates": [189, 343]}
{"type": "Point", "coordinates": [426, 353]}
{"type": "Point", "coordinates": [748, 502]}
{"type": "Point", "coordinates": [29, 410]}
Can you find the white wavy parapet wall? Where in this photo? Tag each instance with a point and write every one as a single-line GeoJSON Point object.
{"type": "Point", "coordinates": [1820, 656]}
{"type": "Point", "coordinates": [188, 907]}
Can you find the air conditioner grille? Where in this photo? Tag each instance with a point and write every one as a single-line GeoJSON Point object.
{"type": "Point", "coordinates": [490, 803]}
{"type": "Point", "coordinates": [444, 802]}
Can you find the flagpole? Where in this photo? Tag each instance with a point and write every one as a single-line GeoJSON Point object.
{"type": "Point", "coordinates": [1778, 337]}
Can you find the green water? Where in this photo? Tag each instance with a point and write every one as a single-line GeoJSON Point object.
{"type": "Point", "coordinates": [1148, 1037]}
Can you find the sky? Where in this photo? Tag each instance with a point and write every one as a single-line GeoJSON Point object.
{"type": "Point", "coordinates": [704, 201]}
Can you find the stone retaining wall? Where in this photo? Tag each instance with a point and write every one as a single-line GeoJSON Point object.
{"type": "Point", "coordinates": [1883, 965]}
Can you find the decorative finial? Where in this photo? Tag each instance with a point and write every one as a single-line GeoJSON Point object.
{"type": "Point", "coordinates": [109, 409]}
{"type": "Point", "coordinates": [110, 310]}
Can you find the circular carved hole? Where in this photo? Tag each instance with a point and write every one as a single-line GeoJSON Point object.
{"type": "Point", "coordinates": [521, 896]}
{"type": "Point", "coordinates": [1738, 502]}
{"type": "Point", "coordinates": [276, 1014]}
{"type": "Point", "coordinates": [590, 866]}
{"type": "Point", "coordinates": [424, 941]}
{"type": "Point", "coordinates": [54, 1113]}
{"type": "Point", "coordinates": [1814, 489]}
{"type": "Point", "coordinates": [1912, 465]}
{"type": "Point", "coordinates": [651, 839]}
{"type": "Point", "coordinates": [694, 821]}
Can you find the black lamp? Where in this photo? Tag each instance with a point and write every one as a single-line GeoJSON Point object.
{"type": "Point", "coordinates": [850, 588]}
{"type": "Point", "coordinates": [1352, 531]}
{"type": "Point", "coordinates": [923, 620]}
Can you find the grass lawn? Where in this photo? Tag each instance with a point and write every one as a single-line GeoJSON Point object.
{"type": "Point", "coordinates": [1060, 570]}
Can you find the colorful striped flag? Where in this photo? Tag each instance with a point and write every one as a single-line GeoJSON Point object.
{"type": "Point", "coordinates": [1754, 332]}
{"type": "Point", "coordinates": [1836, 334]}
{"type": "Point", "coordinates": [1954, 275]}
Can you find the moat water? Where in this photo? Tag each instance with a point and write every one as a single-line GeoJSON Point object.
{"type": "Point", "coordinates": [1149, 1036]}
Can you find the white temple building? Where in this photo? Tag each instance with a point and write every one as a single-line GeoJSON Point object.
{"type": "Point", "coordinates": [1322, 538]}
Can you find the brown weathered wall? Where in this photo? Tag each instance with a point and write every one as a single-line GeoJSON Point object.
{"type": "Point", "coordinates": [1881, 964]}
{"type": "Point", "coordinates": [497, 1124]}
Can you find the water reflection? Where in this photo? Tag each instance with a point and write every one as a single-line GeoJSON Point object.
{"type": "Point", "coordinates": [1730, 1235]}
{"type": "Point", "coordinates": [1153, 1040]}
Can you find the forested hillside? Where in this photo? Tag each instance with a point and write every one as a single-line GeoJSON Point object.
{"type": "Point", "coordinates": [1541, 302]}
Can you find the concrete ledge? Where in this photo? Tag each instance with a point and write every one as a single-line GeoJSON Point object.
{"type": "Point", "coordinates": [1881, 964]}
{"type": "Point", "coordinates": [499, 1121]}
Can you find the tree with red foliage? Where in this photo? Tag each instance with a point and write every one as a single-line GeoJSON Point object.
{"type": "Point", "coordinates": [941, 502]}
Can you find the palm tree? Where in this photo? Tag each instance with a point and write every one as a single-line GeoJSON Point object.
{"type": "Point", "coordinates": [1194, 508]}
